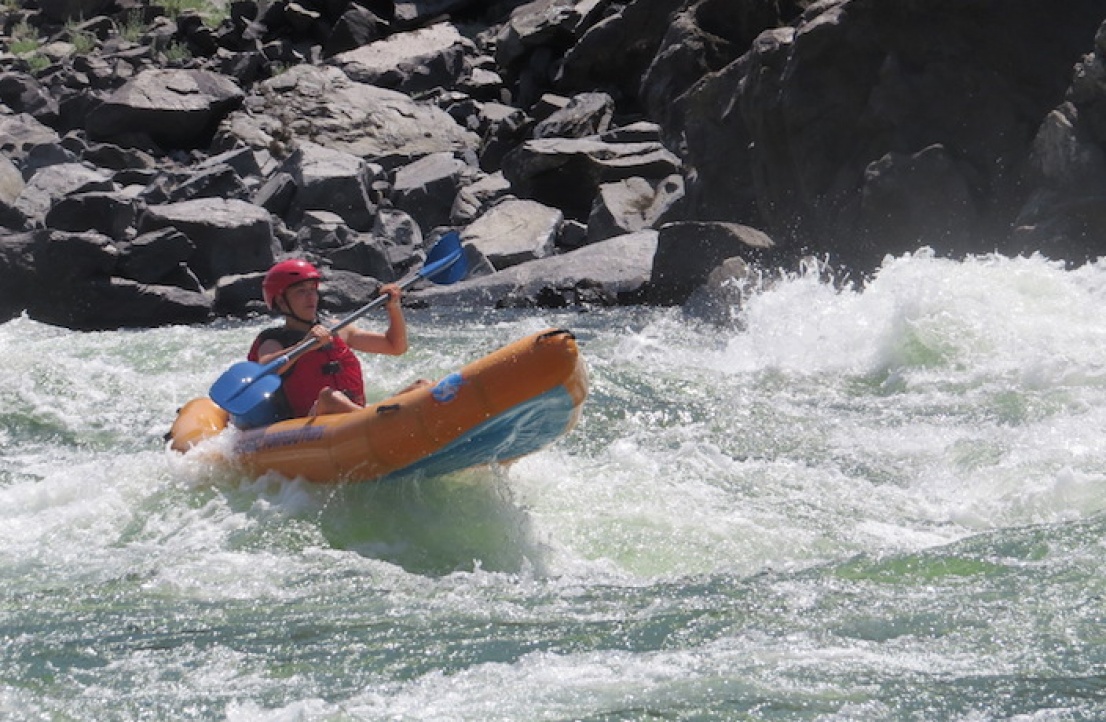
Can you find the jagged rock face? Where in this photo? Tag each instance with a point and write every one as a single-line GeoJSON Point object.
{"type": "Point", "coordinates": [871, 128]}
{"type": "Point", "coordinates": [591, 151]}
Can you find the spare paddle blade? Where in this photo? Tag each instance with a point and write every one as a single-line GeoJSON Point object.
{"type": "Point", "coordinates": [445, 264]}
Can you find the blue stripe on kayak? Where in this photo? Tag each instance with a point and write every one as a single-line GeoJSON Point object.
{"type": "Point", "coordinates": [516, 432]}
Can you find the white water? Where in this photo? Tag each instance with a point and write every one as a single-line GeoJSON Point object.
{"type": "Point", "coordinates": [875, 504]}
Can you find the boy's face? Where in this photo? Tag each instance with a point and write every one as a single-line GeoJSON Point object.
{"type": "Point", "coordinates": [302, 298]}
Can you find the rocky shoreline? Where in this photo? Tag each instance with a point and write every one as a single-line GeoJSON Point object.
{"type": "Point", "coordinates": [156, 159]}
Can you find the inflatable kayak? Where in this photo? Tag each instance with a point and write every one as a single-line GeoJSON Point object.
{"type": "Point", "coordinates": [505, 405]}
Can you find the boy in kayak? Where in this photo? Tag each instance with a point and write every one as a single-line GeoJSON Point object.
{"type": "Point", "coordinates": [327, 379]}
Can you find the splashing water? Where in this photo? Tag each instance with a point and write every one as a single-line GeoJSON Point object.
{"type": "Point", "coordinates": [880, 503]}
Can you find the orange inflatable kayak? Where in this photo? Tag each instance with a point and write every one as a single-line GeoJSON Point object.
{"type": "Point", "coordinates": [505, 405]}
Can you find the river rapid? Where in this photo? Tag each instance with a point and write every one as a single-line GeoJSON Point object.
{"type": "Point", "coordinates": [883, 503]}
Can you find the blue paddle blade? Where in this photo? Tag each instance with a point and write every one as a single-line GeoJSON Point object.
{"type": "Point", "coordinates": [262, 413]}
{"type": "Point", "coordinates": [445, 264]}
{"type": "Point", "coordinates": [245, 391]}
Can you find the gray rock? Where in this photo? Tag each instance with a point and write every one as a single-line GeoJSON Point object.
{"type": "Point", "coordinates": [171, 108]}
{"type": "Point", "coordinates": [515, 231]}
{"type": "Point", "coordinates": [688, 251]}
{"type": "Point", "coordinates": [332, 180]}
{"type": "Point", "coordinates": [52, 183]}
{"type": "Point", "coordinates": [633, 204]}
{"type": "Point", "coordinates": [11, 182]}
{"type": "Point", "coordinates": [615, 270]}
{"type": "Point", "coordinates": [231, 236]}
{"type": "Point", "coordinates": [585, 114]}
{"type": "Point", "coordinates": [566, 172]}
{"type": "Point", "coordinates": [21, 132]}
{"type": "Point", "coordinates": [153, 256]}
{"type": "Point", "coordinates": [210, 181]}
{"type": "Point", "coordinates": [478, 195]}
{"type": "Point", "coordinates": [109, 213]}
{"type": "Point", "coordinates": [410, 62]}
{"type": "Point", "coordinates": [783, 138]}
{"type": "Point", "coordinates": [322, 104]}
{"type": "Point", "coordinates": [426, 189]}
{"type": "Point", "coordinates": [356, 27]}
{"type": "Point", "coordinates": [413, 12]}
{"type": "Point", "coordinates": [613, 54]}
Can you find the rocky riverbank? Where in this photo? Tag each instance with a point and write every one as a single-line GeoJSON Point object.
{"type": "Point", "coordinates": [156, 160]}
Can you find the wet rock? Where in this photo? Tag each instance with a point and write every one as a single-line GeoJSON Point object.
{"type": "Point", "coordinates": [67, 279]}
{"type": "Point", "coordinates": [784, 137]}
{"type": "Point", "coordinates": [688, 251]}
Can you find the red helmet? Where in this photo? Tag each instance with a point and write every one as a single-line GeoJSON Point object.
{"type": "Point", "coordinates": [283, 275]}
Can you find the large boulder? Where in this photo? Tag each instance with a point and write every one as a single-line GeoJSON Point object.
{"type": "Point", "coordinates": [427, 188]}
{"type": "Point", "coordinates": [122, 303]}
{"type": "Point", "coordinates": [704, 37]}
{"type": "Point", "coordinates": [22, 93]}
{"type": "Point", "coordinates": [230, 236]}
{"type": "Point", "coordinates": [17, 270]}
{"type": "Point", "coordinates": [20, 133]}
{"type": "Point", "coordinates": [410, 62]}
{"type": "Point", "coordinates": [636, 30]}
{"type": "Point", "coordinates": [687, 252]}
{"type": "Point", "coordinates": [634, 204]}
{"type": "Point", "coordinates": [110, 213]}
{"type": "Point", "coordinates": [66, 279]}
{"type": "Point", "coordinates": [331, 180]}
{"type": "Point", "coordinates": [610, 272]}
{"type": "Point", "coordinates": [50, 184]}
{"type": "Point", "coordinates": [567, 172]}
{"type": "Point", "coordinates": [321, 104]}
{"type": "Point", "coordinates": [1064, 216]}
{"type": "Point", "coordinates": [515, 231]}
{"type": "Point", "coordinates": [165, 108]}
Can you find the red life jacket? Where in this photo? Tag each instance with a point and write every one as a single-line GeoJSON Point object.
{"type": "Point", "coordinates": [334, 365]}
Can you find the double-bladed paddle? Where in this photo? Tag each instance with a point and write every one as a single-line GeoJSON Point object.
{"type": "Point", "coordinates": [245, 390]}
